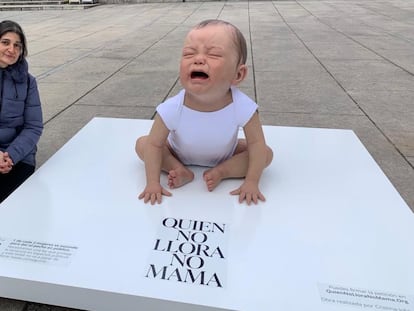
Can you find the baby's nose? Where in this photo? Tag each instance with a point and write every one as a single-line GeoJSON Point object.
{"type": "Point", "coordinates": [199, 59]}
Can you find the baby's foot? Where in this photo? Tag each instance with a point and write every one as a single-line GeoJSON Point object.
{"type": "Point", "coordinates": [179, 177]}
{"type": "Point", "coordinates": [212, 177]}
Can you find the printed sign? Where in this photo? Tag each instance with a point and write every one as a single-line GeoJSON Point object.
{"type": "Point", "coordinates": [365, 299]}
{"type": "Point", "coordinates": [189, 251]}
{"type": "Point", "coordinates": [34, 251]}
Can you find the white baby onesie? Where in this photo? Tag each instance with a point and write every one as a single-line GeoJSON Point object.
{"type": "Point", "coordinates": [205, 138]}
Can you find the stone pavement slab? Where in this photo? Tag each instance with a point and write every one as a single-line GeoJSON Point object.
{"type": "Point", "coordinates": [313, 63]}
{"type": "Point", "coordinates": [11, 305]}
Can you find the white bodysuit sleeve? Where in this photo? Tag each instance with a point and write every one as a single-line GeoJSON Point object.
{"type": "Point", "coordinates": [170, 110]}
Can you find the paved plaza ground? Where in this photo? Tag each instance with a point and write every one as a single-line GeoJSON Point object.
{"type": "Point", "coordinates": [330, 64]}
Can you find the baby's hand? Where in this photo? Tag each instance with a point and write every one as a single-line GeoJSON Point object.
{"type": "Point", "coordinates": [153, 193]}
{"type": "Point", "coordinates": [250, 192]}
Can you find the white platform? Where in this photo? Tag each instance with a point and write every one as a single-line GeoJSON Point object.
{"type": "Point", "coordinates": [334, 234]}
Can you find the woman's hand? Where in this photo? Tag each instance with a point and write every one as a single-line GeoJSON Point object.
{"type": "Point", "coordinates": [6, 163]}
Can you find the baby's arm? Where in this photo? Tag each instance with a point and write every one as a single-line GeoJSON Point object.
{"type": "Point", "coordinates": [153, 162]}
{"type": "Point", "coordinates": [257, 151]}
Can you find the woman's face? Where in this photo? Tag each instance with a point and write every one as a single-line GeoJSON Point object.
{"type": "Point", "coordinates": [10, 49]}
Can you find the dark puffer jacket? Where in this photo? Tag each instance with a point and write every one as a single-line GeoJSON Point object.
{"type": "Point", "coordinates": [21, 121]}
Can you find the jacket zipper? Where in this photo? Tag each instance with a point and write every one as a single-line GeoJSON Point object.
{"type": "Point", "coordinates": [1, 88]}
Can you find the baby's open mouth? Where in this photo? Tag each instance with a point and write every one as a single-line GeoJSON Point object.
{"type": "Point", "coordinates": [199, 75]}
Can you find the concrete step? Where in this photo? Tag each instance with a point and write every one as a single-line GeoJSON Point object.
{"type": "Point", "coordinates": [36, 5]}
{"type": "Point", "coordinates": [38, 2]}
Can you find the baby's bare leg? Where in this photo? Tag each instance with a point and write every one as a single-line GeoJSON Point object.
{"type": "Point", "coordinates": [235, 167]}
{"type": "Point", "coordinates": [178, 174]}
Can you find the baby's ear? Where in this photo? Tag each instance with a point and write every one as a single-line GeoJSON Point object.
{"type": "Point", "coordinates": [240, 74]}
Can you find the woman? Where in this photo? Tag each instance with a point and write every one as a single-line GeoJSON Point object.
{"type": "Point", "coordinates": [21, 122]}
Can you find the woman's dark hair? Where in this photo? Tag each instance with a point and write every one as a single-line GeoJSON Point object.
{"type": "Point", "coordinates": [10, 26]}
